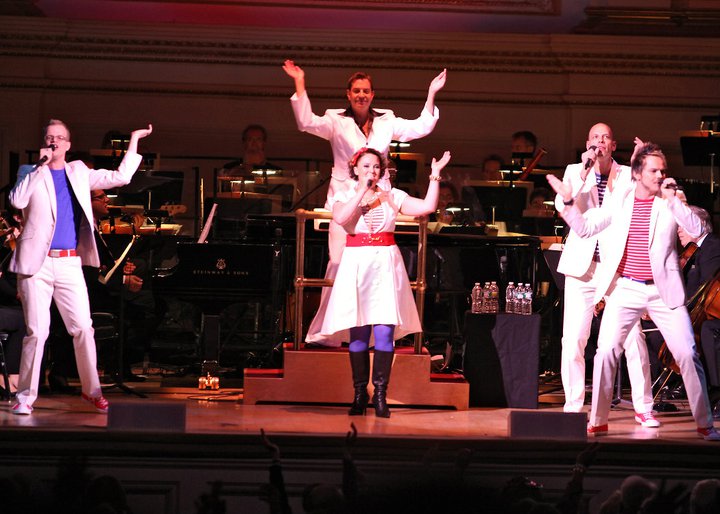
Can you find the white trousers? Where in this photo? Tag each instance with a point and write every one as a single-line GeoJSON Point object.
{"type": "Point", "coordinates": [577, 320]}
{"type": "Point", "coordinates": [626, 303]}
{"type": "Point", "coordinates": [61, 279]}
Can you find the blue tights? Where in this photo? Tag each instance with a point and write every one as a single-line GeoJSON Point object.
{"type": "Point", "coordinates": [360, 338]}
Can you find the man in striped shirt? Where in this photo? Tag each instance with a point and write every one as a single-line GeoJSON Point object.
{"type": "Point", "coordinates": [641, 273]}
{"type": "Point", "coordinates": [592, 182]}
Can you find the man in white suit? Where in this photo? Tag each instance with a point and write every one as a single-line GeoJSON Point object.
{"type": "Point", "coordinates": [641, 273]}
{"type": "Point", "coordinates": [57, 238]}
{"type": "Point", "coordinates": [592, 182]}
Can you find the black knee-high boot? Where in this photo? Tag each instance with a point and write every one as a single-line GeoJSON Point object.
{"type": "Point", "coordinates": [382, 364]}
{"type": "Point", "coordinates": [360, 364]}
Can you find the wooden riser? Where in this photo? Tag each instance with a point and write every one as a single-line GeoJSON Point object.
{"type": "Point", "coordinates": [324, 376]}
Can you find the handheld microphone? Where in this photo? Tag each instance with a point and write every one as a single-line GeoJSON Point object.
{"type": "Point", "coordinates": [369, 183]}
{"type": "Point", "coordinates": [45, 158]}
{"type": "Point", "coordinates": [674, 187]}
{"type": "Point", "coordinates": [590, 162]}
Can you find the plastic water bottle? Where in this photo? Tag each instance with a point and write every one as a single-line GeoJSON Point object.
{"type": "Point", "coordinates": [510, 298]}
{"type": "Point", "coordinates": [527, 300]}
{"type": "Point", "coordinates": [487, 299]}
{"type": "Point", "coordinates": [476, 299]}
{"type": "Point", "coordinates": [519, 295]}
{"type": "Point", "coordinates": [494, 297]}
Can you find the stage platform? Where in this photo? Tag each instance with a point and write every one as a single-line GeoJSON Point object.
{"type": "Point", "coordinates": [168, 471]}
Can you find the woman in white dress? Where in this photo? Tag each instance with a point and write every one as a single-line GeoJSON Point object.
{"type": "Point", "coordinates": [371, 294]}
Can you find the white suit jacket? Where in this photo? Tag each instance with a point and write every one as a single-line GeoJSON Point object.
{"type": "Point", "coordinates": [665, 217]}
{"type": "Point", "coordinates": [578, 252]}
{"type": "Point", "coordinates": [34, 193]}
{"type": "Point", "coordinates": [346, 138]}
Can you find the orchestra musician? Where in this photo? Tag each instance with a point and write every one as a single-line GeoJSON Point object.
{"type": "Point", "coordinates": [372, 293]}
{"type": "Point", "coordinates": [701, 268]}
{"type": "Point", "coordinates": [641, 275]}
{"type": "Point", "coordinates": [254, 139]}
{"type": "Point", "coordinates": [12, 321]}
{"type": "Point", "coordinates": [348, 130]}
{"type": "Point", "coordinates": [130, 284]}
{"type": "Point", "coordinates": [592, 183]}
{"type": "Point", "coordinates": [57, 238]}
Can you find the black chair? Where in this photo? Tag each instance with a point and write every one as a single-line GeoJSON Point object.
{"type": "Point", "coordinates": [3, 367]}
{"type": "Point", "coordinates": [109, 342]}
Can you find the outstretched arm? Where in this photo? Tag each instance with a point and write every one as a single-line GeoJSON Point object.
{"type": "Point", "coordinates": [297, 74]}
{"type": "Point", "coordinates": [415, 206]}
{"type": "Point", "coordinates": [436, 85]}
{"type": "Point", "coordinates": [136, 136]}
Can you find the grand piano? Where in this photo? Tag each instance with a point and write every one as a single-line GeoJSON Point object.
{"type": "Point", "coordinates": [241, 283]}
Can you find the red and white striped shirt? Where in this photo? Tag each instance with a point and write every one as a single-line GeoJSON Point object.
{"type": "Point", "coordinates": [636, 259]}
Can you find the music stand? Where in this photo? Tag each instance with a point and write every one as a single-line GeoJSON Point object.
{"type": "Point", "coordinates": [699, 148]}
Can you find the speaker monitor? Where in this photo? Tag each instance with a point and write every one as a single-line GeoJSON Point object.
{"type": "Point", "coordinates": [547, 425]}
{"type": "Point", "coordinates": [142, 416]}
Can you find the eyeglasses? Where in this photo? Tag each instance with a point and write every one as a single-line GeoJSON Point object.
{"type": "Point", "coordinates": [50, 138]}
{"type": "Point", "coordinates": [99, 197]}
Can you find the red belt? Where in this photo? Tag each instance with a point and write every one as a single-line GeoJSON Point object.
{"type": "Point", "coordinates": [379, 239]}
{"type": "Point", "coordinates": [62, 253]}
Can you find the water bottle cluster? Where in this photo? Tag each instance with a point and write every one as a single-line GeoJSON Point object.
{"type": "Point", "coordinates": [485, 299]}
{"type": "Point", "coordinates": [518, 299]}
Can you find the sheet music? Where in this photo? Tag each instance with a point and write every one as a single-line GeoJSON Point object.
{"type": "Point", "coordinates": [103, 279]}
{"type": "Point", "coordinates": [208, 224]}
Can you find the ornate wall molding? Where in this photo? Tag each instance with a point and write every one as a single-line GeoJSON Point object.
{"type": "Point", "coordinates": [39, 38]}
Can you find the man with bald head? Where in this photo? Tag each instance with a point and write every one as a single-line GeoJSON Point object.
{"type": "Point", "coordinates": [593, 181]}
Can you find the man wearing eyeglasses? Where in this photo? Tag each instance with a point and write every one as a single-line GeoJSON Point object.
{"type": "Point", "coordinates": [57, 239]}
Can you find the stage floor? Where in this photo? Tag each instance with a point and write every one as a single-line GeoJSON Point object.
{"type": "Point", "coordinates": [223, 412]}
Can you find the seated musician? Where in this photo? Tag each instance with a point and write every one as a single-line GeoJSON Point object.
{"type": "Point", "coordinates": [12, 320]}
{"type": "Point", "coordinates": [131, 282]}
{"type": "Point", "coordinates": [701, 268]}
{"type": "Point", "coordinates": [538, 203]}
{"type": "Point", "coordinates": [254, 139]}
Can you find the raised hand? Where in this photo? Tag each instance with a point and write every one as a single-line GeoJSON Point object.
{"type": "Point", "coordinates": [136, 135]}
{"type": "Point", "coordinates": [437, 166]}
{"type": "Point", "coordinates": [560, 187]}
{"type": "Point", "coordinates": [294, 71]}
{"type": "Point", "coordinates": [639, 143]}
{"type": "Point", "coordinates": [141, 133]}
{"type": "Point", "coordinates": [438, 82]}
